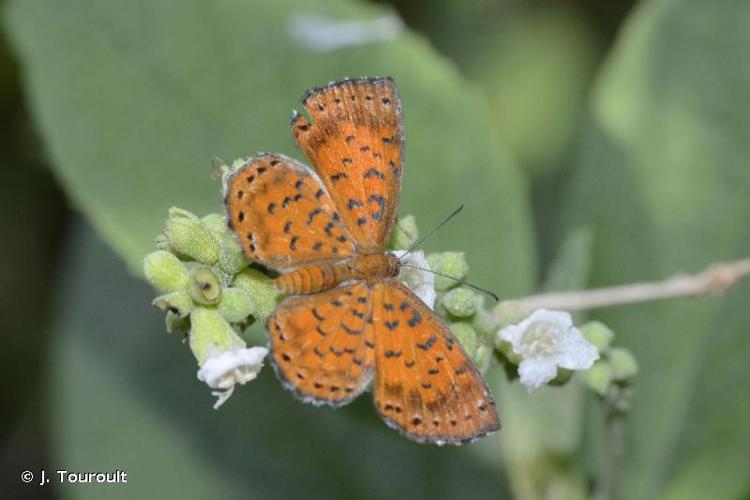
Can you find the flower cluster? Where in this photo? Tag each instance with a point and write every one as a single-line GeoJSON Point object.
{"type": "Point", "coordinates": [210, 294]}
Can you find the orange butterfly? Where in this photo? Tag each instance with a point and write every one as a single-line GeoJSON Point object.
{"type": "Point", "coordinates": [348, 318]}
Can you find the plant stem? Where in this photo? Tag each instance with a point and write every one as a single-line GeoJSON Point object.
{"type": "Point", "coordinates": [716, 278]}
{"type": "Point", "coordinates": [607, 488]}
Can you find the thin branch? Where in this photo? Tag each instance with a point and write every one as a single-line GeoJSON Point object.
{"type": "Point", "coordinates": [716, 278]}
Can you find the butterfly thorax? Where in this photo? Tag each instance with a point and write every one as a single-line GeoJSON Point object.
{"type": "Point", "coordinates": [326, 275]}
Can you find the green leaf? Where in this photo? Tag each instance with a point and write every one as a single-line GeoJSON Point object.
{"type": "Point", "coordinates": [570, 268]}
{"type": "Point", "coordinates": [133, 100]}
{"type": "Point", "coordinates": [663, 181]}
{"type": "Point", "coordinates": [124, 395]}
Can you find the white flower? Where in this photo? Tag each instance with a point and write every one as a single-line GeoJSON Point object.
{"type": "Point", "coordinates": [223, 369]}
{"type": "Point", "coordinates": [420, 281]}
{"type": "Point", "coordinates": [544, 341]}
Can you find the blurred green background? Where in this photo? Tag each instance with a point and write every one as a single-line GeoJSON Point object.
{"type": "Point", "coordinates": [630, 120]}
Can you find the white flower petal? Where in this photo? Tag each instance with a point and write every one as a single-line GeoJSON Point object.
{"type": "Point", "coordinates": [536, 372]}
{"type": "Point", "coordinates": [422, 283]}
{"type": "Point", "coordinates": [575, 352]}
{"type": "Point", "coordinates": [511, 333]}
{"type": "Point", "coordinates": [224, 369]}
{"type": "Point", "coordinates": [247, 361]}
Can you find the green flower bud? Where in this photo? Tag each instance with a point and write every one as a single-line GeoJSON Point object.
{"type": "Point", "coordinates": [404, 233]}
{"type": "Point", "coordinates": [598, 334]}
{"type": "Point", "coordinates": [189, 237]}
{"type": "Point", "coordinates": [562, 377]}
{"type": "Point", "coordinates": [599, 377]}
{"type": "Point", "coordinates": [216, 223]}
{"type": "Point", "coordinates": [466, 336]}
{"type": "Point", "coordinates": [485, 324]}
{"type": "Point", "coordinates": [623, 363]}
{"type": "Point", "coordinates": [450, 264]}
{"type": "Point", "coordinates": [231, 258]}
{"type": "Point", "coordinates": [462, 302]}
{"type": "Point", "coordinates": [439, 308]}
{"type": "Point", "coordinates": [178, 303]}
{"type": "Point", "coordinates": [482, 358]}
{"type": "Point", "coordinates": [236, 304]}
{"type": "Point", "coordinates": [205, 288]}
{"type": "Point", "coordinates": [211, 333]}
{"type": "Point", "coordinates": [506, 349]}
{"type": "Point", "coordinates": [176, 324]}
{"type": "Point", "coordinates": [510, 312]}
{"type": "Point", "coordinates": [264, 294]}
{"type": "Point", "coordinates": [165, 271]}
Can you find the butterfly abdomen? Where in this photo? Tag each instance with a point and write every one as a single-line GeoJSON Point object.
{"type": "Point", "coordinates": [320, 277]}
{"type": "Point", "coordinates": [312, 279]}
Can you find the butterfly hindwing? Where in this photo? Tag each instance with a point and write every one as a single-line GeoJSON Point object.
{"type": "Point", "coordinates": [425, 384]}
{"type": "Point", "coordinates": [322, 344]}
{"type": "Point", "coordinates": [283, 215]}
{"type": "Point", "coordinates": [355, 144]}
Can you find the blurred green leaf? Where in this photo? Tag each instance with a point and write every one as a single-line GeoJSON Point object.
{"type": "Point", "coordinates": [570, 268]}
{"type": "Point", "coordinates": [134, 99]}
{"type": "Point", "coordinates": [536, 64]}
{"type": "Point", "coordinates": [664, 181]}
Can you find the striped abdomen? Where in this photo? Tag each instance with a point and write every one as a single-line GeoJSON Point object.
{"type": "Point", "coordinates": [327, 275]}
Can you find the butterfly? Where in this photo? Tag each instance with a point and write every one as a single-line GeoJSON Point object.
{"type": "Point", "coordinates": [347, 320]}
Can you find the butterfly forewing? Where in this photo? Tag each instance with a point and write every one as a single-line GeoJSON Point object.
{"type": "Point", "coordinates": [425, 384]}
{"type": "Point", "coordinates": [355, 143]}
{"type": "Point", "coordinates": [283, 215]}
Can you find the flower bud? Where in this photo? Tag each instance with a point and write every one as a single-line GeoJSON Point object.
{"type": "Point", "coordinates": [466, 336]}
{"type": "Point", "coordinates": [189, 237]}
{"type": "Point", "coordinates": [205, 288]}
{"type": "Point", "coordinates": [263, 293]}
{"type": "Point", "coordinates": [510, 312]}
{"type": "Point", "coordinates": [165, 271]}
{"type": "Point", "coordinates": [462, 302]}
{"type": "Point", "coordinates": [562, 377]}
{"type": "Point", "coordinates": [598, 334]}
{"type": "Point", "coordinates": [599, 377]}
{"type": "Point", "coordinates": [210, 332]}
{"type": "Point", "coordinates": [178, 303]}
{"type": "Point", "coordinates": [404, 233]}
{"type": "Point", "coordinates": [623, 363]}
{"type": "Point", "coordinates": [451, 264]}
{"type": "Point", "coordinates": [506, 349]}
{"type": "Point", "coordinates": [231, 258]}
{"type": "Point", "coordinates": [482, 358]}
{"type": "Point", "coordinates": [174, 323]}
{"type": "Point", "coordinates": [216, 223]}
{"type": "Point", "coordinates": [236, 304]}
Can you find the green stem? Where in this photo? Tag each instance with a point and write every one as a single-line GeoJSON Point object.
{"type": "Point", "coordinates": [609, 483]}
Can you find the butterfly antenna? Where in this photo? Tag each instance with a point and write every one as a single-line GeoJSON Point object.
{"type": "Point", "coordinates": [421, 240]}
{"type": "Point", "coordinates": [459, 281]}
